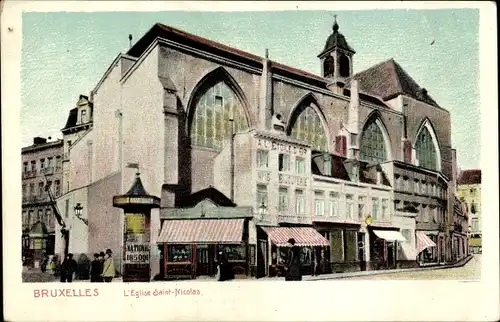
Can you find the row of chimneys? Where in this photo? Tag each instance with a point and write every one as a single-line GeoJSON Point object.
{"type": "Point", "coordinates": [40, 140]}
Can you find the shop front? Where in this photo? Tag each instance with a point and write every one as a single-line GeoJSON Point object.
{"type": "Point", "coordinates": [314, 249]}
{"type": "Point", "coordinates": [384, 245]}
{"type": "Point", "coordinates": [190, 247]}
{"type": "Point", "coordinates": [427, 248]}
{"type": "Point", "coordinates": [346, 251]}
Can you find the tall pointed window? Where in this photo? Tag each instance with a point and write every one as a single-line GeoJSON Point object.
{"type": "Point", "coordinates": [372, 147]}
{"type": "Point", "coordinates": [425, 150]}
{"type": "Point", "coordinates": [307, 127]}
{"type": "Point", "coordinates": [213, 110]}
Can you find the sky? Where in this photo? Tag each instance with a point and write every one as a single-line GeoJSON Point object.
{"type": "Point", "coordinates": [64, 54]}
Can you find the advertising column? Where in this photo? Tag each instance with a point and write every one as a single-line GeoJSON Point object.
{"type": "Point", "coordinates": [137, 205]}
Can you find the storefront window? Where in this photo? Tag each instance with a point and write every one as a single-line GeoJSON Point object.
{"type": "Point", "coordinates": [235, 252]}
{"type": "Point", "coordinates": [305, 255]}
{"type": "Point", "coordinates": [350, 245]}
{"type": "Point", "coordinates": [336, 245]}
{"type": "Point", "coordinates": [179, 253]}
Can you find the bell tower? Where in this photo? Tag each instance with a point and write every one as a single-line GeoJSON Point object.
{"type": "Point", "coordinates": [336, 59]}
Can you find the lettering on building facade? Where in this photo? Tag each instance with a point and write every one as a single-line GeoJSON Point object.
{"type": "Point", "coordinates": [281, 147]}
{"type": "Point", "coordinates": [292, 180]}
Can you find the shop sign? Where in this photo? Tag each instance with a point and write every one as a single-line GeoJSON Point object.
{"type": "Point", "coordinates": [280, 146]}
{"type": "Point", "coordinates": [292, 180]}
{"type": "Point", "coordinates": [263, 176]}
{"type": "Point", "coordinates": [136, 253]}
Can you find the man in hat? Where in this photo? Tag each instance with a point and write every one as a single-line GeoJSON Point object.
{"type": "Point", "coordinates": [108, 270]}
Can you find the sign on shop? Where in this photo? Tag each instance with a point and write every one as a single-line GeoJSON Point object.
{"type": "Point", "coordinates": [136, 254]}
{"type": "Point", "coordinates": [280, 146]}
{"type": "Point", "coordinates": [292, 180]}
{"type": "Point", "coordinates": [264, 176]}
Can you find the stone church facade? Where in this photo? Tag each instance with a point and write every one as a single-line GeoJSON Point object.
{"type": "Point", "coordinates": [195, 114]}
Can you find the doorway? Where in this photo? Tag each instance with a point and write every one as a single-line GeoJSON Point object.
{"type": "Point", "coordinates": [261, 258]}
{"type": "Point", "coordinates": [205, 255]}
{"type": "Point", "coordinates": [361, 251]}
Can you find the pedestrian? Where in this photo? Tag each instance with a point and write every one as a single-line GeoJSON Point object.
{"type": "Point", "coordinates": [101, 261]}
{"type": "Point", "coordinates": [292, 265]}
{"type": "Point", "coordinates": [108, 271]}
{"type": "Point", "coordinates": [225, 271]}
{"type": "Point", "coordinates": [45, 261]}
{"type": "Point", "coordinates": [68, 268]}
{"type": "Point", "coordinates": [95, 269]}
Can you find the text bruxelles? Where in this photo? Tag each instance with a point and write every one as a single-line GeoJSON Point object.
{"type": "Point", "coordinates": [66, 292]}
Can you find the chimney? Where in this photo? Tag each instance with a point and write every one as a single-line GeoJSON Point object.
{"type": "Point", "coordinates": [39, 140]}
{"type": "Point", "coordinates": [130, 40]}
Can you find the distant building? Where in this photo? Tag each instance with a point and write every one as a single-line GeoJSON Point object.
{"type": "Point", "coordinates": [41, 167]}
{"type": "Point", "coordinates": [469, 190]}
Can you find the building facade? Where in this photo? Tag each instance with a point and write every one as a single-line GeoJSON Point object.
{"type": "Point", "coordinates": [469, 191]}
{"type": "Point", "coordinates": [77, 171]}
{"type": "Point", "coordinates": [41, 168]}
{"type": "Point", "coordinates": [357, 159]}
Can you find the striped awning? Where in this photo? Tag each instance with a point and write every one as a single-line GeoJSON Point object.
{"type": "Point", "coordinates": [423, 241]}
{"type": "Point", "coordinates": [409, 251]}
{"type": "Point", "coordinates": [202, 231]}
{"type": "Point", "coordinates": [304, 236]}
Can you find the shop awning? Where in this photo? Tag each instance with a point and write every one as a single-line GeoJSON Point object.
{"type": "Point", "coordinates": [423, 241]}
{"type": "Point", "coordinates": [389, 235]}
{"type": "Point", "coordinates": [202, 231]}
{"type": "Point", "coordinates": [304, 236]}
{"type": "Point", "coordinates": [409, 251]}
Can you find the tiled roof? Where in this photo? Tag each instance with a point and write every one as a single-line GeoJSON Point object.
{"type": "Point", "coordinates": [209, 193]}
{"type": "Point", "coordinates": [168, 32]}
{"type": "Point", "coordinates": [472, 176]}
{"type": "Point", "coordinates": [388, 80]}
{"type": "Point", "coordinates": [342, 169]}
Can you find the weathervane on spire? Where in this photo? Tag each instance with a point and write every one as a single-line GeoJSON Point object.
{"type": "Point", "coordinates": [335, 24]}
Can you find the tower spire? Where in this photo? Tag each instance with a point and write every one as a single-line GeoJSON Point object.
{"type": "Point", "coordinates": [335, 24]}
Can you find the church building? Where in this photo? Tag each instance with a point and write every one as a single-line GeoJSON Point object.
{"type": "Point", "coordinates": [246, 152]}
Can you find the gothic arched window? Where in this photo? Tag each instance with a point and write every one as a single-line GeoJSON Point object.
{"type": "Point", "coordinates": [308, 128]}
{"type": "Point", "coordinates": [425, 150]}
{"type": "Point", "coordinates": [213, 109]}
{"type": "Point", "coordinates": [372, 147]}
{"type": "Point", "coordinates": [329, 66]}
{"type": "Point", "coordinates": [344, 66]}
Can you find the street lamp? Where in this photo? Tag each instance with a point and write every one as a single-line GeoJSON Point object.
{"type": "Point", "coordinates": [78, 213]}
{"type": "Point", "coordinates": [262, 211]}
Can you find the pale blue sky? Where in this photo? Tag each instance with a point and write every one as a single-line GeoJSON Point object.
{"type": "Point", "coordinates": [65, 54]}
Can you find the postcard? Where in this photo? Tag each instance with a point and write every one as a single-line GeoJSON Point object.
{"type": "Point", "coordinates": [255, 161]}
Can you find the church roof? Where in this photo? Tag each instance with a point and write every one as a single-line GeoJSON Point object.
{"type": "Point", "coordinates": [472, 176]}
{"type": "Point", "coordinates": [336, 40]}
{"type": "Point", "coordinates": [388, 80]}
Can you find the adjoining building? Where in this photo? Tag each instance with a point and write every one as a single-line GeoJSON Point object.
{"type": "Point", "coordinates": [469, 191]}
{"type": "Point", "coordinates": [41, 168]}
{"type": "Point", "coordinates": [355, 167]}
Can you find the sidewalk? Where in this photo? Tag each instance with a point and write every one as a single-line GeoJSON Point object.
{"type": "Point", "coordinates": [460, 263]}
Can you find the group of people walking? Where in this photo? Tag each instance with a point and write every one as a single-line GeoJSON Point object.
{"type": "Point", "coordinates": [102, 268]}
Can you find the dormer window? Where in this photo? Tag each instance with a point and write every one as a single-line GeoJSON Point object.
{"type": "Point", "coordinates": [83, 117]}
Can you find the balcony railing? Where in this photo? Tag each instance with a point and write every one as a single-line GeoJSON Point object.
{"type": "Point", "coordinates": [294, 219]}
{"type": "Point", "coordinates": [29, 174]}
{"type": "Point", "coordinates": [35, 199]}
